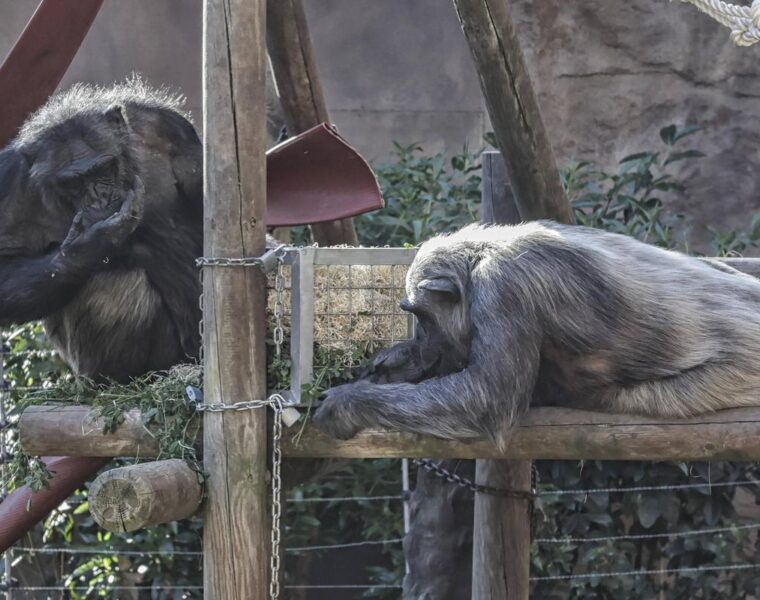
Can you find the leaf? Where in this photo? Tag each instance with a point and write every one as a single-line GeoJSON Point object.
{"type": "Point", "coordinates": [649, 511]}
{"type": "Point", "coordinates": [668, 134]}
{"type": "Point", "coordinates": [686, 131]}
{"type": "Point", "coordinates": [676, 156]}
{"type": "Point", "coordinates": [633, 157]}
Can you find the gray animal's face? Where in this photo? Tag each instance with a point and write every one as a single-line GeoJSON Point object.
{"type": "Point", "coordinates": [437, 296]}
{"type": "Point", "coordinates": [75, 166]}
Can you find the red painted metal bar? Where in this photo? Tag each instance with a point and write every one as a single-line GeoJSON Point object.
{"type": "Point", "coordinates": [40, 57]}
{"type": "Point", "coordinates": [23, 508]}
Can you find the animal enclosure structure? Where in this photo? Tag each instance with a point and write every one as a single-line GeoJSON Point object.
{"type": "Point", "coordinates": [344, 304]}
{"type": "Point", "coordinates": [334, 295]}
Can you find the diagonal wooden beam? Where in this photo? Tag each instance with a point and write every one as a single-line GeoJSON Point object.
{"type": "Point", "coordinates": [514, 110]}
{"type": "Point", "coordinates": [303, 101]}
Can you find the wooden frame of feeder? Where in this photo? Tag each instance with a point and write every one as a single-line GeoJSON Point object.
{"type": "Point", "coordinates": [236, 537]}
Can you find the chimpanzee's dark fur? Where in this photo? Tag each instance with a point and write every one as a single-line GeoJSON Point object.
{"type": "Point", "coordinates": [101, 218]}
{"type": "Point", "coordinates": [552, 314]}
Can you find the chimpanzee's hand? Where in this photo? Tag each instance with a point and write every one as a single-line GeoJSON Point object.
{"type": "Point", "coordinates": [335, 415]}
{"type": "Point", "coordinates": [97, 243]}
{"type": "Point", "coordinates": [399, 363]}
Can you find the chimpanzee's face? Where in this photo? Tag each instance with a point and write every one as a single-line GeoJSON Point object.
{"type": "Point", "coordinates": [435, 295]}
{"type": "Point", "coordinates": [77, 166]}
{"type": "Point", "coordinates": [29, 225]}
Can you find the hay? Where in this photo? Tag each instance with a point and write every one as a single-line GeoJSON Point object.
{"type": "Point", "coordinates": [354, 306]}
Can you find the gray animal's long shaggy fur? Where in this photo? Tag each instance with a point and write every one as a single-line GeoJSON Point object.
{"type": "Point", "coordinates": [542, 313]}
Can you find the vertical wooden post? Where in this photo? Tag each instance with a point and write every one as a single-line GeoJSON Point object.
{"type": "Point", "coordinates": [301, 95]}
{"type": "Point", "coordinates": [501, 537]}
{"type": "Point", "coordinates": [513, 108]}
{"type": "Point", "coordinates": [501, 532]}
{"type": "Point", "coordinates": [236, 536]}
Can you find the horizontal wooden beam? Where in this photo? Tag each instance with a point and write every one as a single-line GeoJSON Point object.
{"type": "Point", "coordinates": [563, 434]}
{"type": "Point", "coordinates": [546, 433]}
{"type": "Point", "coordinates": [70, 430]}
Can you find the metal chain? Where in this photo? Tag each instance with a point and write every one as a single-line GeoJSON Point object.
{"type": "Point", "coordinates": [271, 259]}
{"type": "Point", "coordinates": [439, 471]}
{"type": "Point", "coordinates": [275, 402]}
{"type": "Point", "coordinates": [531, 496]}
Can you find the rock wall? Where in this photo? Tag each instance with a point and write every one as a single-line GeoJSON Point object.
{"type": "Point", "coordinates": [611, 74]}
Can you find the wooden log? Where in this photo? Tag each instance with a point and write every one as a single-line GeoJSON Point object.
{"type": "Point", "coordinates": [502, 531]}
{"type": "Point", "coordinates": [301, 95]}
{"type": "Point", "coordinates": [563, 434]}
{"type": "Point", "coordinates": [236, 538]}
{"type": "Point", "coordinates": [137, 496]}
{"type": "Point", "coordinates": [545, 433]}
{"type": "Point", "coordinates": [77, 431]}
{"type": "Point", "coordinates": [514, 110]}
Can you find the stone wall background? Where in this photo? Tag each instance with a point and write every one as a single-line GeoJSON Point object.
{"type": "Point", "coordinates": [608, 74]}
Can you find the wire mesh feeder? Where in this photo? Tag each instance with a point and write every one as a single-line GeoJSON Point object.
{"type": "Point", "coordinates": [340, 305]}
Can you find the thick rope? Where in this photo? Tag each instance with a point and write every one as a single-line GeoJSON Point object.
{"type": "Point", "coordinates": [743, 21]}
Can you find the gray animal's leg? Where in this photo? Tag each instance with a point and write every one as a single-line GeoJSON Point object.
{"type": "Point", "coordinates": [702, 389]}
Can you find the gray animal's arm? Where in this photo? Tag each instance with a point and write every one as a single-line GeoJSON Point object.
{"type": "Point", "coordinates": [482, 400]}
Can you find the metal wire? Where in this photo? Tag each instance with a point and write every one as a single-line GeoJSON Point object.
{"type": "Point", "coordinates": [641, 572]}
{"type": "Point", "coordinates": [107, 551]}
{"type": "Point", "coordinates": [342, 587]}
{"type": "Point", "coordinates": [347, 545]}
{"type": "Point", "coordinates": [650, 536]}
{"type": "Point", "coordinates": [348, 499]}
{"type": "Point", "coordinates": [648, 488]}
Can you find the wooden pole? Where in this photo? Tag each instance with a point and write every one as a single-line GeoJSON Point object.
{"type": "Point", "coordinates": [301, 95]}
{"type": "Point", "coordinates": [137, 496]}
{"type": "Point", "coordinates": [236, 541]}
{"type": "Point", "coordinates": [501, 537]}
{"type": "Point", "coordinates": [501, 525]}
{"type": "Point", "coordinates": [513, 108]}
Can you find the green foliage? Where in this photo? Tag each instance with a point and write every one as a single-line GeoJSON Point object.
{"type": "Point", "coordinates": [424, 195]}
{"type": "Point", "coordinates": [31, 363]}
{"type": "Point", "coordinates": [160, 398]}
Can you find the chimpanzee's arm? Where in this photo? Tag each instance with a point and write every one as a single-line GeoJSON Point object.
{"type": "Point", "coordinates": [34, 287]}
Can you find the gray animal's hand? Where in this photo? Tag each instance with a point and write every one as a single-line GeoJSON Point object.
{"type": "Point", "coordinates": [98, 242]}
{"type": "Point", "coordinates": [336, 414]}
{"type": "Point", "coordinates": [399, 363]}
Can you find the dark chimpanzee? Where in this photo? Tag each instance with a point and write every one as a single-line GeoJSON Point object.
{"type": "Point", "coordinates": [100, 222]}
{"type": "Point", "coordinates": [542, 313]}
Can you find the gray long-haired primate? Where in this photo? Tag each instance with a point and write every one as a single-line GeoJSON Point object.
{"type": "Point", "coordinates": [547, 314]}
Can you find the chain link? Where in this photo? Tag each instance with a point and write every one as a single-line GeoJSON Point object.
{"type": "Point", "coordinates": [439, 471]}
{"type": "Point", "coordinates": [276, 403]}
{"type": "Point", "coordinates": [531, 496]}
{"type": "Point", "coordinates": [271, 259]}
